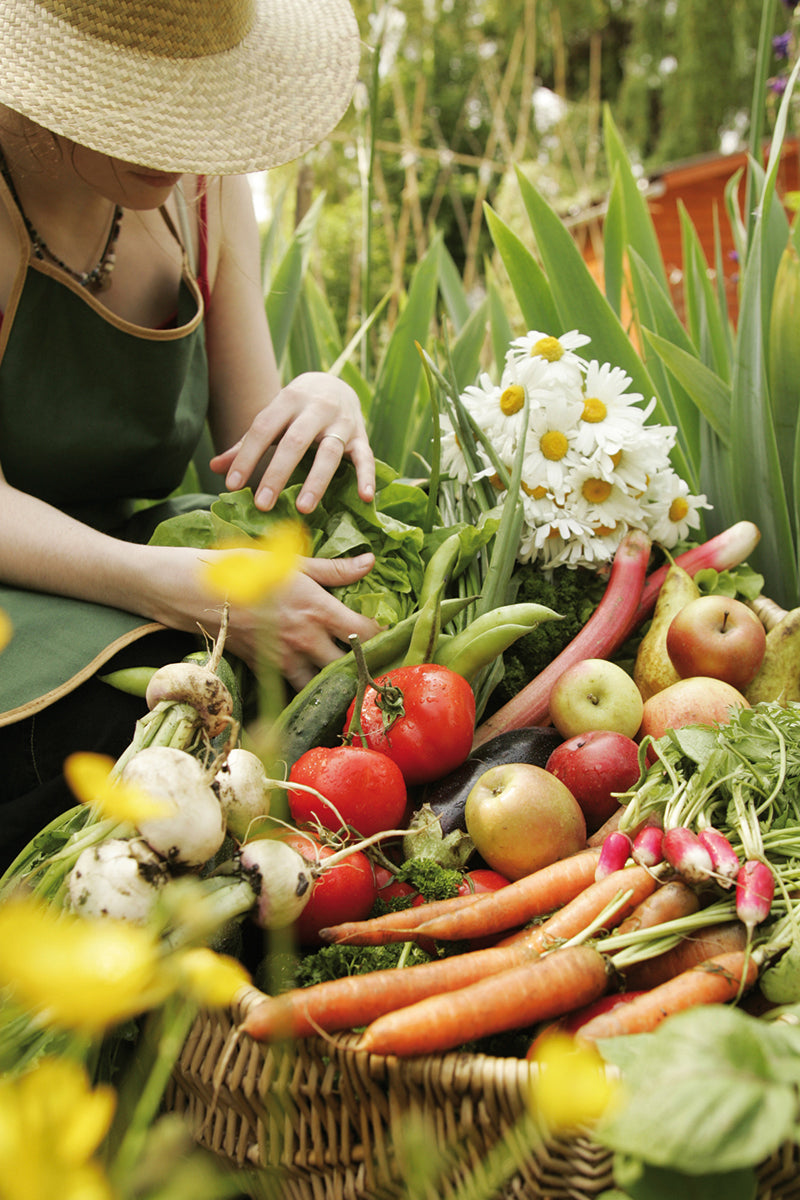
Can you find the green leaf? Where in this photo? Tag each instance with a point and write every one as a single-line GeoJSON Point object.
{"type": "Point", "coordinates": [614, 245]}
{"type": "Point", "coordinates": [394, 414]}
{"type": "Point", "coordinates": [286, 286]}
{"type": "Point", "coordinates": [531, 289]}
{"type": "Point", "coordinates": [579, 302]}
{"type": "Point", "coordinates": [754, 452]}
{"type": "Point", "coordinates": [708, 324]}
{"type": "Point", "coordinates": [709, 393]}
{"type": "Point", "coordinates": [468, 347]}
{"type": "Point", "coordinates": [501, 331]}
{"type": "Point", "coordinates": [640, 231]}
{"type": "Point", "coordinates": [725, 1093]}
{"type": "Point", "coordinates": [452, 289]}
{"type": "Point", "coordinates": [644, 1182]}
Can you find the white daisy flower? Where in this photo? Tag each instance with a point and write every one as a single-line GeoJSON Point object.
{"type": "Point", "coordinates": [550, 453]}
{"type": "Point", "coordinates": [554, 356]}
{"type": "Point", "coordinates": [671, 511]}
{"type": "Point", "coordinates": [639, 460]}
{"type": "Point", "coordinates": [612, 415]}
{"type": "Point", "coordinates": [602, 504]}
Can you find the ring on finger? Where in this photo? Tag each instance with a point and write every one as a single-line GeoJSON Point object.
{"type": "Point", "coordinates": [338, 439]}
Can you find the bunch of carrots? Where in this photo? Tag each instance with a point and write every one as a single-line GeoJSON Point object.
{"type": "Point", "coordinates": [637, 944]}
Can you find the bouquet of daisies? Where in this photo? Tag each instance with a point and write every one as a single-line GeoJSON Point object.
{"type": "Point", "coordinates": [592, 468]}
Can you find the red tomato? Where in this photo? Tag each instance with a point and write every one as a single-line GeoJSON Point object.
{"type": "Point", "coordinates": [482, 880]}
{"type": "Point", "coordinates": [345, 892]}
{"type": "Point", "coordinates": [365, 788]}
{"type": "Point", "coordinates": [434, 734]}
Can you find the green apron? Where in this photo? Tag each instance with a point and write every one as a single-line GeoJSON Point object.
{"type": "Point", "coordinates": [95, 413]}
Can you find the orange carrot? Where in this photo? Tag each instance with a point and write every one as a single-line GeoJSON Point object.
{"type": "Point", "coordinates": [355, 1000]}
{"type": "Point", "coordinates": [531, 992]}
{"type": "Point", "coordinates": [689, 952]}
{"type": "Point", "coordinates": [718, 980]}
{"type": "Point", "coordinates": [672, 900]}
{"type": "Point", "coordinates": [400, 926]}
{"type": "Point", "coordinates": [579, 913]}
{"type": "Point", "coordinates": [536, 895]}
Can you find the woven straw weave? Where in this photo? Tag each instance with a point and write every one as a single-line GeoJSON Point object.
{"type": "Point", "coordinates": [321, 1121]}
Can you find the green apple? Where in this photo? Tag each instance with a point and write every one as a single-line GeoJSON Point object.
{"type": "Point", "coordinates": [595, 694]}
{"type": "Point", "coordinates": [521, 818]}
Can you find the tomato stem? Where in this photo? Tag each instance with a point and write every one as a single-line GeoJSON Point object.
{"type": "Point", "coordinates": [389, 697]}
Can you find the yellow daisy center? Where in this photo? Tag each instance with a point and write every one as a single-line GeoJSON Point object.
{"type": "Point", "coordinates": [595, 491]}
{"type": "Point", "coordinates": [536, 493]}
{"type": "Point", "coordinates": [678, 509]}
{"type": "Point", "coordinates": [496, 482]}
{"type": "Point", "coordinates": [616, 458]}
{"type": "Point", "coordinates": [554, 445]}
{"type": "Point", "coordinates": [594, 410]}
{"type": "Point", "coordinates": [549, 348]}
{"type": "Point", "coordinates": [604, 530]}
{"type": "Point", "coordinates": [512, 399]}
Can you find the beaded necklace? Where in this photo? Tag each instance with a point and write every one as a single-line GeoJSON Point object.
{"type": "Point", "coordinates": [96, 280]}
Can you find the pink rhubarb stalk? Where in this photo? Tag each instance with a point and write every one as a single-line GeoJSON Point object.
{"type": "Point", "coordinates": [601, 637]}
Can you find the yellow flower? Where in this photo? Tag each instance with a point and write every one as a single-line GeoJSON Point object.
{"type": "Point", "coordinates": [5, 630]}
{"type": "Point", "coordinates": [512, 399]}
{"type": "Point", "coordinates": [89, 777]}
{"type": "Point", "coordinates": [243, 577]}
{"type": "Point", "coordinates": [51, 1123]}
{"type": "Point", "coordinates": [76, 973]}
{"type": "Point", "coordinates": [571, 1085]}
{"type": "Point", "coordinates": [210, 979]}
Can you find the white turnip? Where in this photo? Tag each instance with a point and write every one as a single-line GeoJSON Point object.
{"type": "Point", "coordinates": [281, 879]}
{"type": "Point", "coordinates": [117, 878]}
{"type": "Point", "coordinates": [243, 788]}
{"type": "Point", "coordinates": [192, 828]}
{"type": "Point", "coordinates": [195, 685]}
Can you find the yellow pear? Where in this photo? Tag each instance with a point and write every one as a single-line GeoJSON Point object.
{"type": "Point", "coordinates": [778, 676]}
{"type": "Point", "coordinates": [653, 669]}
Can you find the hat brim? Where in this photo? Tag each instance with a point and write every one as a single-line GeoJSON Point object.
{"type": "Point", "coordinates": [263, 103]}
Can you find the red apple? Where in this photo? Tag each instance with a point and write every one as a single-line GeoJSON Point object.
{"type": "Point", "coordinates": [521, 817]}
{"type": "Point", "coordinates": [699, 700]}
{"type": "Point", "coordinates": [719, 637]}
{"type": "Point", "coordinates": [595, 694]}
{"type": "Point", "coordinates": [594, 766]}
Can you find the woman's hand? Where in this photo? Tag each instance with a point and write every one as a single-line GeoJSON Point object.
{"type": "Point", "coordinates": [300, 628]}
{"type": "Point", "coordinates": [314, 408]}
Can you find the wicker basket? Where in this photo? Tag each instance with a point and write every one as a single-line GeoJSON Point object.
{"type": "Point", "coordinates": [320, 1120]}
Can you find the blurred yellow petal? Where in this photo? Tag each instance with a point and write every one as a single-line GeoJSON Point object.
{"type": "Point", "coordinates": [571, 1085]}
{"type": "Point", "coordinates": [6, 629]}
{"type": "Point", "coordinates": [89, 777]}
{"type": "Point", "coordinates": [51, 1123]}
{"type": "Point", "coordinates": [77, 973]}
{"type": "Point", "coordinates": [211, 979]}
{"type": "Point", "coordinates": [244, 577]}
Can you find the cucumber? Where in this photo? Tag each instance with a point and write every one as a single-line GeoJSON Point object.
{"type": "Point", "coordinates": [448, 796]}
{"type": "Point", "coordinates": [316, 715]}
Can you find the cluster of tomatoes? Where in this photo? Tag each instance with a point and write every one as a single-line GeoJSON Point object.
{"type": "Point", "coordinates": [365, 784]}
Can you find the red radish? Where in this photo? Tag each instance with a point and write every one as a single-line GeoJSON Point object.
{"type": "Point", "coordinates": [600, 637]}
{"type": "Point", "coordinates": [755, 887]}
{"type": "Point", "coordinates": [723, 856]}
{"type": "Point", "coordinates": [573, 1021]}
{"type": "Point", "coordinates": [684, 851]}
{"type": "Point", "coordinates": [614, 853]}
{"type": "Point", "coordinates": [648, 846]}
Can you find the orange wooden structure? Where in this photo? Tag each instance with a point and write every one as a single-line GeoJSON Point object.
{"type": "Point", "coordinates": [699, 185]}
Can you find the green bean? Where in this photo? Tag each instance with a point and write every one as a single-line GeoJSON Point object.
{"type": "Point", "coordinates": [428, 624]}
{"type": "Point", "coordinates": [490, 635]}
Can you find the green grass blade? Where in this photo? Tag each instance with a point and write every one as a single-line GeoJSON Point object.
{"type": "Point", "coordinates": [755, 465]}
{"type": "Point", "coordinates": [500, 327]}
{"type": "Point", "coordinates": [287, 282]}
{"type": "Point", "coordinates": [614, 245]}
{"type": "Point", "coordinates": [709, 393]}
{"type": "Point", "coordinates": [452, 290]}
{"type": "Point", "coordinates": [468, 346]}
{"type": "Point", "coordinates": [394, 414]}
{"type": "Point", "coordinates": [639, 228]}
{"type": "Point", "coordinates": [528, 280]}
{"type": "Point", "coordinates": [706, 322]}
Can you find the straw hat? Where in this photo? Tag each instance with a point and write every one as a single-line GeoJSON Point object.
{"type": "Point", "coordinates": [218, 87]}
